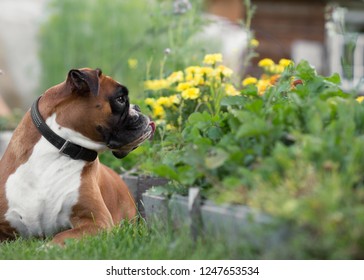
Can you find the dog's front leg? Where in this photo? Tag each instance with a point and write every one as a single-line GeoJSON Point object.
{"type": "Point", "coordinates": [77, 233]}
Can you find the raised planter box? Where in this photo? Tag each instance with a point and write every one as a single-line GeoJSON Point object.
{"type": "Point", "coordinates": [225, 222]}
{"type": "Point", "coordinates": [139, 184]}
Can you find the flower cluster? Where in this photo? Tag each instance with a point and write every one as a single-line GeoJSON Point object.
{"type": "Point", "coordinates": [172, 99]}
{"type": "Point", "coordinates": [271, 74]}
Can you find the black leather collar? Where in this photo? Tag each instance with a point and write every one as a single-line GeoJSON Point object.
{"type": "Point", "coordinates": [64, 146]}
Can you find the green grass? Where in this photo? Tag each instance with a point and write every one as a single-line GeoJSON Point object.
{"type": "Point", "coordinates": [129, 241]}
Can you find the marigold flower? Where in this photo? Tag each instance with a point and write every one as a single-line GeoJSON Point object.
{"type": "Point", "coordinates": [191, 93]}
{"type": "Point", "coordinates": [262, 86]}
{"type": "Point", "coordinates": [226, 71]}
{"type": "Point", "coordinates": [164, 101]}
{"type": "Point", "coordinates": [273, 79]}
{"type": "Point", "coordinates": [149, 101]}
{"type": "Point", "coordinates": [254, 43]}
{"type": "Point", "coordinates": [196, 75]}
{"type": "Point", "coordinates": [360, 99]}
{"type": "Point", "coordinates": [193, 69]}
{"type": "Point", "coordinates": [285, 62]}
{"type": "Point", "coordinates": [156, 84]}
{"type": "Point", "coordinates": [249, 81]}
{"type": "Point", "coordinates": [266, 62]}
{"type": "Point", "coordinates": [206, 70]}
{"type": "Point", "coordinates": [212, 59]}
{"type": "Point", "coordinates": [276, 69]}
{"type": "Point", "coordinates": [158, 112]}
{"type": "Point", "coordinates": [230, 90]}
{"type": "Point", "coordinates": [183, 86]}
{"type": "Point", "coordinates": [198, 80]}
{"type": "Point", "coordinates": [175, 99]}
{"type": "Point", "coordinates": [175, 77]}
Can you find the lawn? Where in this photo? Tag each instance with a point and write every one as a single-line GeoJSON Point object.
{"type": "Point", "coordinates": [129, 241]}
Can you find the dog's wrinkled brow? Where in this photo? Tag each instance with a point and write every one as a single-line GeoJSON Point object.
{"type": "Point", "coordinates": [124, 90]}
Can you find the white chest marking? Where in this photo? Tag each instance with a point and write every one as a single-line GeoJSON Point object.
{"type": "Point", "coordinates": [43, 190]}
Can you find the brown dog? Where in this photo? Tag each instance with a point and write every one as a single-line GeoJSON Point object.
{"type": "Point", "coordinates": [51, 181]}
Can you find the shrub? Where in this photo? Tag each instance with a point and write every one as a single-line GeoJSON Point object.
{"type": "Point", "coordinates": [293, 150]}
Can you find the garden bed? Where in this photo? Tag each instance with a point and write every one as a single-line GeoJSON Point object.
{"type": "Point", "coordinates": [228, 223]}
{"type": "Point", "coordinates": [224, 222]}
{"type": "Point", "coordinates": [139, 184]}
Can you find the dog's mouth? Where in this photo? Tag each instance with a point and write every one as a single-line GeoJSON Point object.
{"type": "Point", "coordinates": [122, 151]}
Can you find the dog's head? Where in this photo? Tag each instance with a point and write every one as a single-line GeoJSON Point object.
{"type": "Point", "coordinates": [98, 107]}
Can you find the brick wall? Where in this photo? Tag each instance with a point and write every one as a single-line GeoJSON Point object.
{"type": "Point", "coordinates": [277, 24]}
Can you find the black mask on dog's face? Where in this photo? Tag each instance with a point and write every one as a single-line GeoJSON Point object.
{"type": "Point", "coordinates": [129, 127]}
{"type": "Point", "coordinates": [120, 125]}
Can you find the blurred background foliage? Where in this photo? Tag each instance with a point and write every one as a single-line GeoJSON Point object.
{"type": "Point", "coordinates": [128, 40]}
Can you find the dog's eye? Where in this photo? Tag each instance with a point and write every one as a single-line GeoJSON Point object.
{"type": "Point", "coordinates": [120, 99]}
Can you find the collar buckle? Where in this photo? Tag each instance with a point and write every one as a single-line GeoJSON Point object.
{"type": "Point", "coordinates": [64, 146]}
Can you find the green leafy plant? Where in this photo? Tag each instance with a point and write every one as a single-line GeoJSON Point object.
{"type": "Point", "coordinates": [294, 151]}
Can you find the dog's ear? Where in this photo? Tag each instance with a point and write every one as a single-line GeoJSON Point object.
{"type": "Point", "coordinates": [84, 81]}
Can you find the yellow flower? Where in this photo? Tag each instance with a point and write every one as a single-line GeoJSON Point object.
{"type": "Point", "coordinates": [206, 71]}
{"type": "Point", "coordinates": [164, 101]}
{"type": "Point", "coordinates": [197, 75]}
{"type": "Point", "coordinates": [156, 84]}
{"type": "Point", "coordinates": [360, 99]}
{"type": "Point", "coordinates": [183, 86]}
{"type": "Point", "coordinates": [254, 43]}
{"type": "Point", "coordinates": [191, 93]}
{"type": "Point", "coordinates": [175, 77]}
{"type": "Point", "coordinates": [276, 69]}
{"type": "Point", "coordinates": [133, 63]}
{"type": "Point", "coordinates": [249, 81]}
{"type": "Point", "coordinates": [175, 99]}
{"type": "Point", "coordinates": [193, 70]}
{"type": "Point", "coordinates": [266, 62]}
{"type": "Point", "coordinates": [158, 112]}
{"type": "Point", "coordinates": [212, 59]}
{"type": "Point", "coordinates": [227, 72]}
{"type": "Point", "coordinates": [285, 62]}
{"type": "Point", "coordinates": [230, 90]}
{"type": "Point", "coordinates": [262, 86]}
{"type": "Point", "coordinates": [150, 101]}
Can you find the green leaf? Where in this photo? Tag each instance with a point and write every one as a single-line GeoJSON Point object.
{"type": "Point", "coordinates": [254, 128]}
{"type": "Point", "coordinates": [305, 71]}
{"type": "Point", "coordinates": [166, 171]}
{"type": "Point", "coordinates": [199, 117]}
{"type": "Point", "coordinates": [216, 159]}
{"type": "Point", "coordinates": [335, 79]}
{"type": "Point", "coordinates": [233, 100]}
{"type": "Point", "coordinates": [214, 133]}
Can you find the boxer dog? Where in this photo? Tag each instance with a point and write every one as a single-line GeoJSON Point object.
{"type": "Point", "coordinates": [51, 181]}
